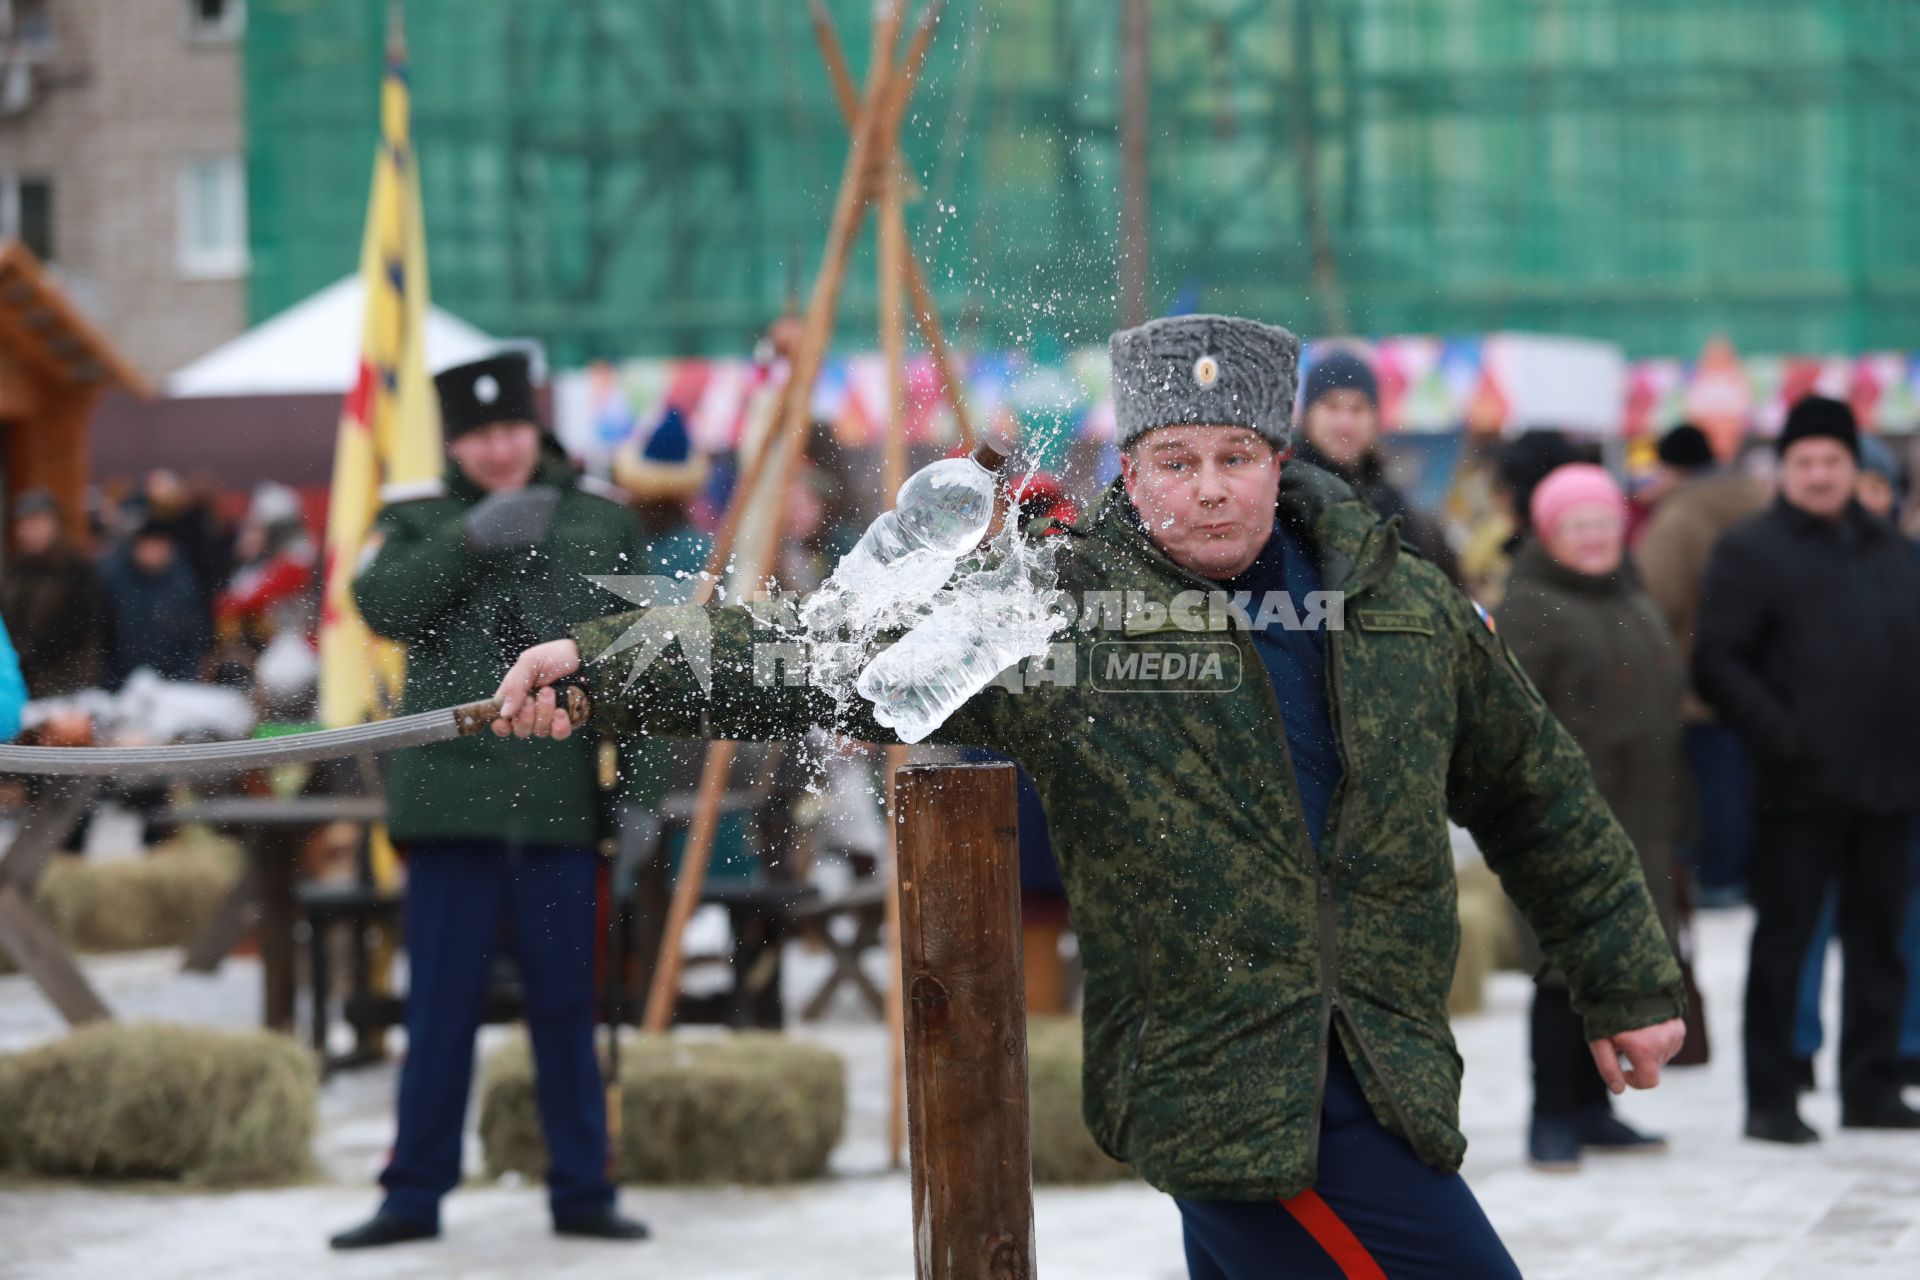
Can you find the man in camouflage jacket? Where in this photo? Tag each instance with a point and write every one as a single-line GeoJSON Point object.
{"type": "Point", "coordinates": [1267, 916]}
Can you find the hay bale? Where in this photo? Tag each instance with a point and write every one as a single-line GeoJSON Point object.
{"type": "Point", "coordinates": [1481, 919]}
{"type": "Point", "coordinates": [156, 1101]}
{"type": "Point", "coordinates": [1478, 880]}
{"type": "Point", "coordinates": [752, 1108]}
{"type": "Point", "coordinates": [161, 900]}
{"type": "Point", "coordinates": [1063, 1151]}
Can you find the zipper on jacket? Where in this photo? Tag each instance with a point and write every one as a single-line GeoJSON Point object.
{"type": "Point", "coordinates": [1146, 993]}
{"type": "Point", "coordinates": [1337, 709]}
{"type": "Point", "coordinates": [1329, 968]}
{"type": "Point", "coordinates": [1329, 997]}
{"type": "Point", "coordinates": [1323, 908]}
{"type": "Point", "coordinates": [1329, 935]}
{"type": "Point", "coordinates": [1329, 963]}
{"type": "Point", "coordinates": [1386, 1085]}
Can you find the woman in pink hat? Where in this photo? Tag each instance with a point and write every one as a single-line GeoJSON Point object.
{"type": "Point", "coordinates": [1596, 646]}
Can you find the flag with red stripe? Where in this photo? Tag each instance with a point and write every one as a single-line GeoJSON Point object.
{"type": "Point", "coordinates": [390, 423]}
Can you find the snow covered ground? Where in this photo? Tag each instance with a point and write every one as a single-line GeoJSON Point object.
{"type": "Point", "coordinates": [1716, 1207]}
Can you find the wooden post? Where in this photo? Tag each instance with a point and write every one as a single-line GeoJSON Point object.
{"type": "Point", "coordinates": [1135, 84]}
{"type": "Point", "coordinates": [664, 991]}
{"type": "Point", "coordinates": [958, 842]}
{"type": "Point", "coordinates": [925, 315]}
{"type": "Point", "coordinates": [815, 334]}
{"type": "Point", "coordinates": [893, 340]}
{"type": "Point", "coordinates": [1328, 294]}
{"type": "Point", "coordinates": [275, 855]}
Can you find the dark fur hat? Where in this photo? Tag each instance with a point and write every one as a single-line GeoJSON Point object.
{"type": "Point", "coordinates": [1205, 370]}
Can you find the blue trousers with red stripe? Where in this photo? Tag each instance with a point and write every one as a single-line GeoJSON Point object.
{"type": "Point", "coordinates": [1376, 1212]}
{"type": "Point", "coordinates": [458, 895]}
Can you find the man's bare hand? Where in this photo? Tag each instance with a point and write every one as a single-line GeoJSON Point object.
{"type": "Point", "coordinates": [1646, 1051]}
{"type": "Point", "coordinates": [528, 708]}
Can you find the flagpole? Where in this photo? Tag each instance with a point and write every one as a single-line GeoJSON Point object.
{"type": "Point", "coordinates": [389, 432]}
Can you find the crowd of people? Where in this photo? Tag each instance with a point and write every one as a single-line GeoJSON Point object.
{"type": "Point", "coordinates": [1736, 647]}
{"type": "Point", "coordinates": [171, 587]}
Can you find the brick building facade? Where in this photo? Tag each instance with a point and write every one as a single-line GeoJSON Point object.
{"type": "Point", "coordinates": [122, 163]}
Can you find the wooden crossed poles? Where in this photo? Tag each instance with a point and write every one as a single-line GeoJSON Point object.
{"type": "Point", "coordinates": [874, 177]}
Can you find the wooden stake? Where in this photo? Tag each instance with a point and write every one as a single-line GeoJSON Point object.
{"type": "Point", "coordinates": [916, 60]}
{"type": "Point", "coordinates": [836, 58]}
{"type": "Point", "coordinates": [815, 334]}
{"type": "Point", "coordinates": [966, 1023]}
{"type": "Point", "coordinates": [745, 486]}
{"type": "Point", "coordinates": [930, 329]}
{"type": "Point", "coordinates": [1135, 85]}
{"type": "Point", "coordinates": [893, 344]}
{"type": "Point", "coordinates": [925, 314]}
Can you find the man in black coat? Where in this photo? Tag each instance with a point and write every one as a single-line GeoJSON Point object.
{"type": "Point", "coordinates": [50, 597]}
{"type": "Point", "coordinates": [1807, 645]}
{"type": "Point", "coordinates": [157, 614]}
{"type": "Point", "coordinates": [1340, 432]}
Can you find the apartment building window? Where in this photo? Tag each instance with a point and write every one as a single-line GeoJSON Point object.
{"type": "Point", "coordinates": [215, 19]}
{"type": "Point", "coordinates": [26, 213]}
{"type": "Point", "coordinates": [212, 218]}
{"type": "Point", "coordinates": [27, 25]}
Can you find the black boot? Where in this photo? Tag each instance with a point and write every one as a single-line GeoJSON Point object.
{"type": "Point", "coordinates": [1601, 1130]}
{"type": "Point", "coordinates": [1553, 1143]}
{"type": "Point", "coordinates": [384, 1229]}
{"type": "Point", "coordinates": [601, 1224]}
{"type": "Point", "coordinates": [1888, 1113]}
{"type": "Point", "coordinates": [1783, 1125]}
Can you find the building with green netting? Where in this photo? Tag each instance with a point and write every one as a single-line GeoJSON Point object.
{"type": "Point", "coordinates": [631, 177]}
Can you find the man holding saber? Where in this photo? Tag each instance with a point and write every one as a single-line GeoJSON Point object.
{"type": "Point", "coordinates": [1259, 869]}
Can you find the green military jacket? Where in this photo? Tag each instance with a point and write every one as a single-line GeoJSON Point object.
{"type": "Point", "coordinates": [1221, 951]}
{"type": "Point", "coordinates": [464, 616]}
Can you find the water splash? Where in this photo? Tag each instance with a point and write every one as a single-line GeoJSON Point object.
{"type": "Point", "coordinates": [923, 658]}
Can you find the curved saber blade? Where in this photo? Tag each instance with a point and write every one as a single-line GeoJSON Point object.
{"type": "Point", "coordinates": [192, 759]}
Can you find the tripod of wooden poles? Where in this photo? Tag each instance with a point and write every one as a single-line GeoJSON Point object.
{"type": "Point", "coordinates": [874, 178]}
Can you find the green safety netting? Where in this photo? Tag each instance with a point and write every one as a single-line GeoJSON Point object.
{"type": "Point", "coordinates": [632, 177]}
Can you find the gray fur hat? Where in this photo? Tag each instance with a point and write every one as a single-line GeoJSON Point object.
{"type": "Point", "coordinates": [1211, 370]}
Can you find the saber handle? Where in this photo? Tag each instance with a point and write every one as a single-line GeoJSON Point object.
{"type": "Point", "coordinates": [477, 717]}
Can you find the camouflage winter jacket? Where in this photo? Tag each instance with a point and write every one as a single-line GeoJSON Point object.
{"type": "Point", "coordinates": [1221, 951]}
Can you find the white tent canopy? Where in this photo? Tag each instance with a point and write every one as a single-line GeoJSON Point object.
{"type": "Point", "coordinates": [313, 348]}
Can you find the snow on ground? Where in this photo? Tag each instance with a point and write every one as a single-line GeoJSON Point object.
{"type": "Point", "coordinates": [1716, 1208]}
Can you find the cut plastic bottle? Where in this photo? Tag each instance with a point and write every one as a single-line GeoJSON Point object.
{"type": "Point", "coordinates": [908, 554]}
{"type": "Point", "coordinates": [925, 676]}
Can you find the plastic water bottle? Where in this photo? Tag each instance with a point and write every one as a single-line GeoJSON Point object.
{"type": "Point", "coordinates": [954, 653]}
{"type": "Point", "coordinates": [909, 553]}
